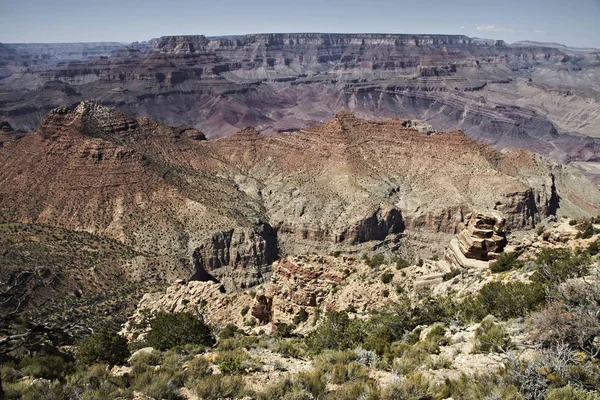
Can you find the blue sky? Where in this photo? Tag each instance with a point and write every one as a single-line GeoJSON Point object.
{"type": "Point", "coordinates": [575, 23]}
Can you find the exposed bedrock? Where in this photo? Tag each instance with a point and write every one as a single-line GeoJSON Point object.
{"type": "Point", "coordinates": [232, 206]}
{"type": "Point", "coordinates": [504, 95]}
{"type": "Point", "coordinates": [238, 257]}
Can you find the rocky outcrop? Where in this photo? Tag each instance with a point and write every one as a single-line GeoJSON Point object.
{"type": "Point", "coordinates": [482, 239]}
{"type": "Point", "coordinates": [232, 206]}
{"type": "Point", "coordinates": [504, 95]}
{"type": "Point", "coordinates": [237, 258]}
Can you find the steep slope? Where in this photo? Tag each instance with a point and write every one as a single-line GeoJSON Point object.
{"type": "Point", "coordinates": [230, 206]}
{"type": "Point", "coordinates": [541, 98]}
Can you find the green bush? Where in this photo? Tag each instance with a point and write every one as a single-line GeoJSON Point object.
{"type": "Point", "coordinates": [586, 230]}
{"type": "Point", "coordinates": [492, 336]}
{"type": "Point", "coordinates": [337, 331]}
{"type": "Point", "coordinates": [159, 385]}
{"type": "Point", "coordinates": [401, 263]}
{"type": "Point", "coordinates": [412, 387]}
{"type": "Point", "coordinates": [170, 330]}
{"type": "Point", "coordinates": [284, 330]}
{"type": "Point", "coordinates": [375, 261]}
{"type": "Point", "coordinates": [289, 347]}
{"type": "Point", "coordinates": [412, 359]}
{"type": "Point", "coordinates": [144, 361]}
{"type": "Point", "coordinates": [594, 247]}
{"type": "Point", "coordinates": [554, 266]}
{"type": "Point", "coordinates": [503, 300]}
{"type": "Point", "coordinates": [506, 262]}
{"type": "Point", "coordinates": [236, 362]}
{"type": "Point", "coordinates": [570, 393]}
{"type": "Point", "coordinates": [356, 390]}
{"type": "Point", "coordinates": [437, 335]}
{"type": "Point", "coordinates": [197, 369]}
{"type": "Point", "coordinates": [245, 310]}
{"type": "Point", "coordinates": [469, 387]}
{"type": "Point", "coordinates": [387, 277]}
{"type": "Point", "coordinates": [229, 331]}
{"type": "Point", "coordinates": [46, 367]}
{"type": "Point", "coordinates": [103, 347]}
{"type": "Point", "coordinates": [312, 382]}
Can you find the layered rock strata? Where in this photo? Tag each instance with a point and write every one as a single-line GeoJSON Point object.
{"type": "Point", "coordinates": [232, 206]}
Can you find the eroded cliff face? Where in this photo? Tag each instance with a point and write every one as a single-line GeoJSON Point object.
{"type": "Point", "coordinates": [504, 95]}
{"type": "Point", "coordinates": [232, 206]}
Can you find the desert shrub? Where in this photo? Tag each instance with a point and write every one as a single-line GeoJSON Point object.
{"type": "Point", "coordinates": [103, 347]}
{"type": "Point", "coordinates": [412, 359]}
{"type": "Point", "coordinates": [506, 262]}
{"type": "Point", "coordinates": [552, 367]}
{"type": "Point", "coordinates": [158, 385]}
{"type": "Point", "coordinates": [570, 393]}
{"type": "Point", "coordinates": [337, 331]}
{"type": "Point", "coordinates": [229, 331]}
{"type": "Point", "coordinates": [328, 358]}
{"type": "Point", "coordinates": [170, 330]}
{"type": "Point", "coordinates": [573, 222]}
{"type": "Point", "coordinates": [300, 387]}
{"type": "Point", "coordinates": [284, 330]}
{"type": "Point", "coordinates": [594, 247]}
{"type": "Point", "coordinates": [197, 368]}
{"type": "Point", "coordinates": [366, 357]}
{"type": "Point", "coordinates": [375, 261]}
{"type": "Point", "coordinates": [554, 266]}
{"type": "Point", "coordinates": [232, 362]}
{"type": "Point", "coordinates": [46, 367]}
{"type": "Point", "coordinates": [437, 334]}
{"type": "Point", "coordinates": [94, 383]}
{"type": "Point", "coordinates": [586, 230]}
{"type": "Point", "coordinates": [387, 277]}
{"type": "Point", "coordinates": [240, 342]}
{"type": "Point", "coordinates": [44, 390]}
{"type": "Point", "coordinates": [492, 336]}
{"type": "Point", "coordinates": [10, 373]}
{"type": "Point", "coordinates": [236, 362]}
{"type": "Point", "coordinates": [301, 317]}
{"type": "Point", "coordinates": [339, 374]}
{"type": "Point", "coordinates": [401, 318]}
{"type": "Point", "coordinates": [245, 310]}
{"type": "Point", "coordinates": [290, 347]}
{"type": "Point", "coordinates": [469, 387]}
{"type": "Point", "coordinates": [313, 382]}
{"type": "Point", "coordinates": [356, 390]}
{"type": "Point", "coordinates": [413, 387]}
{"type": "Point", "coordinates": [401, 263]}
{"type": "Point", "coordinates": [570, 317]}
{"type": "Point", "coordinates": [217, 387]}
{"type": "Point", "coordinates": [357, 372]}
{"type": "Point", "coordinates": [144, 361]}
{"type": "Point", "coordinates": [277, 390]}
{"type": "Point", "coordinates": [503, 300]}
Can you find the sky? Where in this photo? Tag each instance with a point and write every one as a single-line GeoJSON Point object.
{"type": "Point", "coordinates": [574, 22]}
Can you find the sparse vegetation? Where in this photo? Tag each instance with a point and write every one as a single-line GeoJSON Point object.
{"type": "Point", "coordinates": [171, 330]}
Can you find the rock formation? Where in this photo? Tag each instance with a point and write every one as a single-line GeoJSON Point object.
{"type": "Point", "coordinates": [232, 206]}
{"type": "Point", "coordinates": [504, 95]}
{"type": "Point", "coordinates": [482, 239]}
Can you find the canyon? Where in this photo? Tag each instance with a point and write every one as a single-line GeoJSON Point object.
{"type": "Point", "coordinates": [225, 209]}
{"type": "Point", "coordinates": [540, 97]}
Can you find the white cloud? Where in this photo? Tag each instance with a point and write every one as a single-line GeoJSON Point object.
{"type": "Point", "coordinates": [539, 31]}
{"type": "Point", "coordinates": [462, 27]}
{"type": "Point", "coordinates": [493, 28]}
